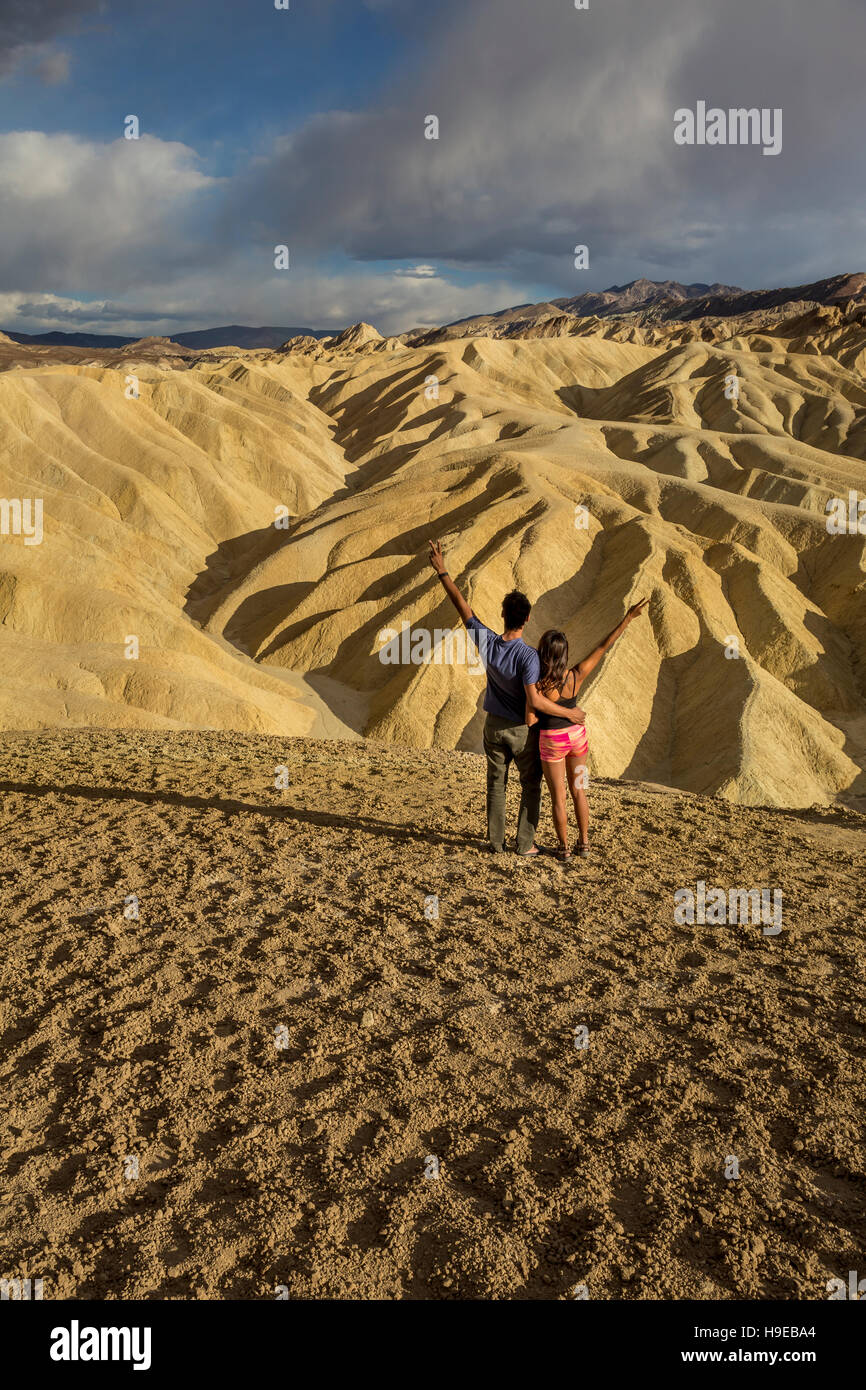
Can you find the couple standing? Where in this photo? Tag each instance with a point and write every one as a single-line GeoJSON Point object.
{"type": "Point", "coordinates": [533, 717]}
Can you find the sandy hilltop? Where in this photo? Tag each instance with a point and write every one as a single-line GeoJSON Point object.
{"type": "Point", "coordinates": [587, 459]}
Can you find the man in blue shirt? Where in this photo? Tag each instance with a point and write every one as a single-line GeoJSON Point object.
{"type": "Point", "coordinates": [512, 669]}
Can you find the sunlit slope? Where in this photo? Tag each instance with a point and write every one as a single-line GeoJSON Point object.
{"type": "Point", "coordinates": [723, 525]}
{"type": "Point", "coordinates": [137, 495]}
{"type": "Point", "coordinates": [587, 470]}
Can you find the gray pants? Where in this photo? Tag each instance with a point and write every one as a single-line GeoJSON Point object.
{"type": "Point", "coordinates": [504, 743]}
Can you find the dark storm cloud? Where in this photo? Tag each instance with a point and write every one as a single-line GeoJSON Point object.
{"type": "Point", "coordinates": [556, 126]}
{"type": "Point", "coordinates": [28, 24]}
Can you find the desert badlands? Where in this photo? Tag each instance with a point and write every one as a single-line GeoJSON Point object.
{"type": "Point", "coordinates": [256, 520]}
{"type": "Point", "coordinates": [274, 1024]}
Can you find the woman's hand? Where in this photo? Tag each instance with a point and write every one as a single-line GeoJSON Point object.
{"type": "Point", "coordinates": [436, 557]}
{"type": "Point", "coordinates": [636, 609]}
{"type": "Point", "coordinates": [587, 666]}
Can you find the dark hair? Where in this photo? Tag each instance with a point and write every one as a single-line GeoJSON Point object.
{"type": "Point", "coordinates": [553, 655]}
{"type": "Point", "coordinates": [516, 608]}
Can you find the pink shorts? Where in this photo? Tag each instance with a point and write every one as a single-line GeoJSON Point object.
{"type": "Point", "coordinates": [556, 744]}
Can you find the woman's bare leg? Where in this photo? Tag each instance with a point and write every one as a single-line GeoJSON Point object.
{"type": "Point", "coordinates": [554, 775]}
{"type": "Point", "coordinates": [576, 772]}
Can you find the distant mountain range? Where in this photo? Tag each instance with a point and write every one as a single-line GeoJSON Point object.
{"type": "Point", "coordinates": [647, 301]}
{"type": "Point", "coordinates": [618, 299]}
{"type": "Point", "coordinates": [232, 335]}
{"type": "Point", "coordinates": [641, 302]}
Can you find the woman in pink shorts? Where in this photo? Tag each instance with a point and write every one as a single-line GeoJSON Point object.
{"type": "Point", "coordinates": [562, 741]}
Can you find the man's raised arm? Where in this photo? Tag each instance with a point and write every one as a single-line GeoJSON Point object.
{"type": "Point", "coordinates": [437, 561]}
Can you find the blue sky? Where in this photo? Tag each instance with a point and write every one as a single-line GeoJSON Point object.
{"type": "Point", "coordinates": [306, 127]}
{"type": "Point", "coordinates": [222, 76]}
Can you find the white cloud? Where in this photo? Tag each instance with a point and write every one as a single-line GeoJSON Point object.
{"type": "Point", "coordinates": [133, 222]}
{"type": "Point", "coordinates": [97, 216]}
{"type": "Point", "coordinates": [239, 295]}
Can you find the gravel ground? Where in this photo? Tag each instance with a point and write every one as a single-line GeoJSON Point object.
{"type": "Point", "coordinates": [344, 1051]}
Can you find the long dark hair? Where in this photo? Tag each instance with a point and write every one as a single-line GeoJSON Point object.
{"type": "Point", "coordinates": [553, 655]}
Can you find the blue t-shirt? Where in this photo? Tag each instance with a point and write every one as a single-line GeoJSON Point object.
{"type": "Point", "coordinates": [509, 666]}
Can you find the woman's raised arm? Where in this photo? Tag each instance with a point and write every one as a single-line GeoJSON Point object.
{"type": "Point", "coordinates": [589, 663]}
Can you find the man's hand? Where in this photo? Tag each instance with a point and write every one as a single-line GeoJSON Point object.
{"type": "Point", "coordinates": [436, 557]}
{"type": "Point", "coordinates": [437, 560]}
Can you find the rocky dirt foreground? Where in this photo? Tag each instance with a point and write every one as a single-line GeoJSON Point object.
{"type": "Point", "coordinates": [343, 1051]}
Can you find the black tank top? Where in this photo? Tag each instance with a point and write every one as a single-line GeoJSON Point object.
{"type": "Point", "coordinates": [554, 721]}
